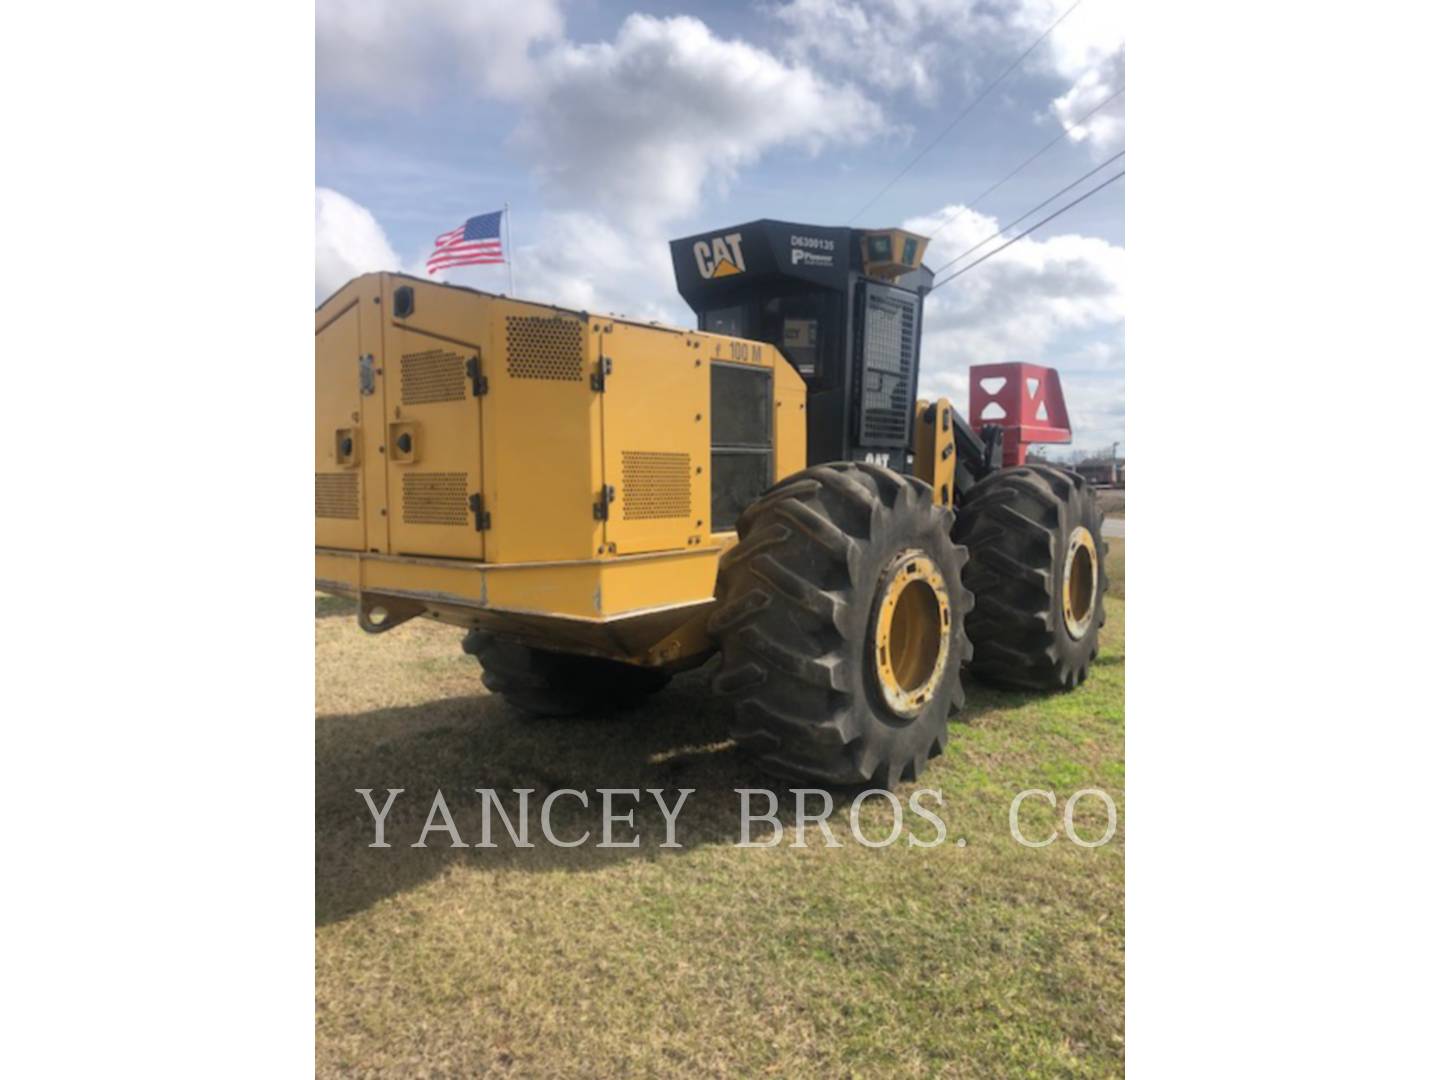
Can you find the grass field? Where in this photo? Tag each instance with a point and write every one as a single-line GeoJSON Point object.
{"type": "Point", "coordinates": [988, 959]}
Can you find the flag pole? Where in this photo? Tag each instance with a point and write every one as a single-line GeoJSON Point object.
{"type": "Point", "coordinates": [509, 251]}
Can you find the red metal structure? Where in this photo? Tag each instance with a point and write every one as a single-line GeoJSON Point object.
{"type": "Point", "coordinates": [1024, 400]}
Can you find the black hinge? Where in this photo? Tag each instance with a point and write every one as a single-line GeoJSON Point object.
{"type": "Point", "coordinates": [482, 516]}
{"type": "Point", "coordinates": [597, 380]}
{"type": "Point", "coordinates": [602, 508]}
{"type": "Point", "coordinates": [479, 384]}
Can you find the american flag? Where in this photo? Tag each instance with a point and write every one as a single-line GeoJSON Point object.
{"type": "Point", "coordinates": [476, 243]}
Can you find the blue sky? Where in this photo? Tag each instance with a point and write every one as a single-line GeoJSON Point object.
{"type": "Point", "coordinates": [611, 128]}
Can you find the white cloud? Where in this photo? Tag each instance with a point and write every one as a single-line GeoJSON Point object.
{"type": "Point", "coordinates": [405, 53]}
{"type": "Point", "coordinates": [1088, 49]}
{"type": "Point", "coordinates": [915, 46]}
{"type": "Point", "coordinates": [892, 45]}
{"type": "Point", "coordinates": [582, 261]}
{"type": "Point", "coordinates": [572, 259]}
{"type": "Point", "coordinates": [640, 126]}
{"type": "Point", "coordinates": [1035, 302]}
{"type": "Point", "coordinates": [1097, 409]}
{"type": "Point", "coordinates": [1091, 33]}
{"type": "Point", "coordinates": [1058, 301]}
{"type": "Point", "coordinates": [635, 127]}
{"type": "Point", "coordinates": [625, 136]}
{"type": "Point", "coordinates": [1105, 130]}
{"type": "Point", "coordinates": [348, 242]}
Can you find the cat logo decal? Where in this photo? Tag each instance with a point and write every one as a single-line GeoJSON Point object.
{"type": "Point", "coordinates": [720, 256]}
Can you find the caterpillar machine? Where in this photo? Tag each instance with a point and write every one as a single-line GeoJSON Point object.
{"type": "Point", "coordinates": [602, 503]}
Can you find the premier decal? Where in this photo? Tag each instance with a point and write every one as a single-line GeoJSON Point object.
{"type": "Point", "coordinates": [812, 251]}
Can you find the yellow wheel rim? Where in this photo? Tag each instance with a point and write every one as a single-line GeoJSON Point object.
{"type": "Point", "coordinates": [1080, 582]}
{"type": "Point", "coordinates": [912, 632]}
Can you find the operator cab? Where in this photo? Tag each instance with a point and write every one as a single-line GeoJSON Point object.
{"type": "Point", "coordinates": [844, 306]}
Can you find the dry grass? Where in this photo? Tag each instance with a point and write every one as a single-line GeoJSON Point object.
{"type": "Point", "coordinates": [990, 959]}
{"type": "Point", "coordinates": [1112, 501]}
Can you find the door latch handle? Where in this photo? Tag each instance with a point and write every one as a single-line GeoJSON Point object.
{"type": "Point", "coordinates": [479, 384]}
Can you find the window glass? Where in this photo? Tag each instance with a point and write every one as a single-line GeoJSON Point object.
{"type": "Point", "coordinates": [730, 320]}
{"type": "Point", "coordinates": [795, 323]}
{"type": "Point", "coordinates": [738, 478]}
{"type": "Point", "coordinates": [801, 338]}
{"type": "Point", "coordinates": [739, 405]}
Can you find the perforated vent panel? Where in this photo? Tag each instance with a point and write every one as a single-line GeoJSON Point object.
{"type": "Point", "coordinates": [656, 484]}
{"type": "Point", "coordinates": [337, 495]}
{"type": "Point", "coordinates": [888, 368]}
{"type": "Point", "coordinates": [543, 348]}
{"type": "Point", "coordinates": [432, 376]}
{"type": "Point", "coordinates": [435, 498]}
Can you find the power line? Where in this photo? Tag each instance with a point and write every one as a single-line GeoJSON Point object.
{"type": "Point", "coordinates": [1026, 163]}
{"type": "Point", "coordinates": [965, 112]}
{"type": "Point", "coordinates": [1002, 231]}
{"type": "Point", "coordinates": [1028, 231]}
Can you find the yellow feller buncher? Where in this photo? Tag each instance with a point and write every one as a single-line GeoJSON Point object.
{"type": "Point", "coordinates": [601, 503]}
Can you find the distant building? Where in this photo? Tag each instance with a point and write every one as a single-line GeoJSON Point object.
{"type": "Point", "coordinates": [1103, 473]}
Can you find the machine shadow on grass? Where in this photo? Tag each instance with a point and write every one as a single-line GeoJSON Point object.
{"type": "Point", "coordinates": [328, 607]}
{"type": "Point", "coordinates": [982, 697]}
{"type": "Point", "coordinates": [675, 740]}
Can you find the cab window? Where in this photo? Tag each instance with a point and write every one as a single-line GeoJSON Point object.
{"type": "Point", "coordinates": [730, 320]}
{"type": "Point", "coordinates": [796, 325]}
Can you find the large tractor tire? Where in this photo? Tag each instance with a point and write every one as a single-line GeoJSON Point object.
{"type": "Point", "coordinates": [544, 683]}
{"type": "Point", "coordinates": [840, 620]}
{"type": "Point", "coordinates": [1037, 570]}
